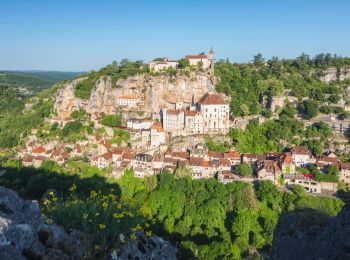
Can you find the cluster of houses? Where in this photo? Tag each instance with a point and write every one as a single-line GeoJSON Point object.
{"type": "Point", "coordinates": [207, 62]}
{"type": "Point", "coordinates": [197, 160]}
{"type": "Point", "coordinates": [203, 164]}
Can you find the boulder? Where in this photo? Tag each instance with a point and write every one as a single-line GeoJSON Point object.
{"type": "Point", "coordinates": [24, 232]}
{"type": "Point", "coordinates": [147, 248]}
{"type": "Point", "coordinates": [310, 235]}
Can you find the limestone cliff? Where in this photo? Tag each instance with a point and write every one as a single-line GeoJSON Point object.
{"type": "Point", "coordinates": [153, 92]}
{"type": "Point", "coordinates": [332, 74]}
{"type": "Point", "coordinates": [310, 235]}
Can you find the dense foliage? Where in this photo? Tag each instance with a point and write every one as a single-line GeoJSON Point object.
{"type": "Point", "coordinates": [111, 120]}
{"type": "Point", "coordinates": [275, 135]}
{"type": "Point", "coordinates": [15, 89]}
{"type": "Point", "coordinates": [251, 86]}
{"type": "Point", "coordinates": [203, 217]}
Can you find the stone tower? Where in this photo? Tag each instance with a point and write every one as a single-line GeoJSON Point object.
{"type": "Point", "coordinates": [211, 58]}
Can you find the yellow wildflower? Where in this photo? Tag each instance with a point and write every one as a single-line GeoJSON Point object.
{"type": "Point", "coordinates": [133, 236]}
{"type": "Point", "coordinates": [102, 226]}
{"type": "Point", "coordinates": [93, 194]}
{"type": "Point", "coordinates": [73, 188]}
{"type": "Point", "coordinates": [46, 203]}
{"type": "Point", "coordinates": [149, 233]}
{"type": "Point", "coordinates": [105, 205]}
{"type": "Point", "coordinates": [52, 194]}
{"type": "Point", "coordinates": [85, 215]}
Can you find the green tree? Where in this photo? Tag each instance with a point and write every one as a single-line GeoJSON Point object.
{"type": "Point", "coordinates": [184, 63]}
{"type": "Point", "coordinates": [111, 120]}
{"type": "Point", "coordinates": [309, 108]}
{"type": "Point", "coordinates": [259, 60]}
{"type": "Point", "coordinates": [244, 169]}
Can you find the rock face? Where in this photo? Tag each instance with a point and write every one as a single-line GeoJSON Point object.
{"type": "Point", "coordinates": [332, 74]}
{"type": "Point", "coordinates": [148, 248]}
{"type": "Point", "coordinates": [153, 92]}
{"type": "Point", "coordinates": [25, 235]}
{"type": "Point", "coordinates": [309, 235]}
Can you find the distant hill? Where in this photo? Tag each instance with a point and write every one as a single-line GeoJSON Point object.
{"type": "Point", "coordinates": [34, 80]}
{"type": "Point", "coordinates": [17, 86]}
{"type": "Point", "coordinates": [52, 76]}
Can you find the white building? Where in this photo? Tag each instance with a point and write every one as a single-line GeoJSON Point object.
{"type": "Point", "coordinates": [138, 124]}
{"type": "Point", "coordinates": [160, 65]}
{"type": "Point", "coordinates": [102, 161]}
{"type": "Point", "coordinates": [127, 101]}
{"type": "Point", "coordinates": [345, 173]}
{"type": "Point", "coordinates": [215, 112]}
{"type": "Point", "coordinates": [301, 155]}
{"type": "Point", "coordinates": [207, 62]}
{"type": "Point", "coordinates": [211, 115]}
{"type": "Point", "coordinates": [157, 135]}
{"type": "Point", "coordinates": [173, 120]}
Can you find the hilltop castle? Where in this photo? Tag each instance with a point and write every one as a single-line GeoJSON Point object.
{"type": "Point", "coordinates": [207, 62]}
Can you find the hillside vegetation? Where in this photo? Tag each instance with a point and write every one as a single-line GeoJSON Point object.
{"type": "Point", "coordinates": [202, 217]}
{"type": "Point", "coordinates": [249, 84]}
{"type": "Point", "coordinates": [16, 88]}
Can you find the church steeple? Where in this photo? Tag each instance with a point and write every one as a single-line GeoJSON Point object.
{"type": "Point", "coordinates": [211, 58]}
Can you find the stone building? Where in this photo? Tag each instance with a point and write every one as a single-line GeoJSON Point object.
{"type": "Point", "coordinates": [209, 115]}
{"type": "Point", "coordinates": [207, 62]}
{"type": "Point", "coordinates": [127, 101]}
{"type": "Point", "coordinates": [160, 65]}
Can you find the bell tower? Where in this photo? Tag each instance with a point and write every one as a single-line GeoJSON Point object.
{"type": "Point", "coordinates": [211, 58]}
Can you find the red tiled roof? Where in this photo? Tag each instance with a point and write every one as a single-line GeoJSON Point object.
{"type": "Point", "coordinates": [300, 150]}
{"type": "Point", "coordinates": [225, 162]}
{"type": "Point", "coordinates": [105, 144]}
{"type": "Point", "coordinates": [194, 161]}
{"type": "Point", "coordinates": [183, 155]}
{"type": "Point", "coordinates": [173, 112]}
{"type": "Point", "coordinates": [195, 57]}
{"type": "Point", "coordinates": [254, 156]}
{"type": "Point", "coordinates": [128, 156]}
{"type": "Point", "coordinates": [328, 159]}
{"type": "Point", "coordinates": [27, 158]}
{"type": "Point", "coordinates": [232, 155]}
{"type": "Point", "coordinates": [345, 166]}
{"type": "Point", "coordinates": [120, 150]}
{"type": "Point", "coordinates": [215, 154]}
{"type": "Point", "coordinates": [287, 158]}
{"type": "Point", "coordinates": [157, 126]}
{"type": "Point", "coordinates": [190, 113]}
{"type": "Point", "coordinates": [39, 158]}
{"type": "Point", "coordinates": [205, 163]}
{"type": "Point", "coordinates": [212, 99]}
{"type": "Point", "coordinates": [39, 149]}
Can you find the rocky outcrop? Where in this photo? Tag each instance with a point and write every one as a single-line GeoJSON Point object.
{"type": "Point", "coordinates": [152, 92]}
{"type": "Point", "coordinates": [310, 235]}
{"type": "Point", "coordinates": [24, 233]}
{"type": "Point", "coordinates": [147, 248]}
{"type": "Point", "coordinates": [332, 74]}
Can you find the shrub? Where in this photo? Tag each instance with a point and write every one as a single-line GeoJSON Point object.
{"type": "Point", "coordinates": [111, 120]}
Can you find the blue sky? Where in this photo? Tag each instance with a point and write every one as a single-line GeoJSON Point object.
{"type": "Point", "coordinates": [82, 35]}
